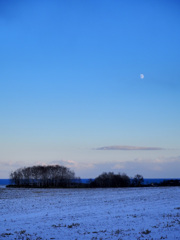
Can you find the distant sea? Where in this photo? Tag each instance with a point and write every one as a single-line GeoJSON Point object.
{"type": "Point", "coordinates": [4, 182]}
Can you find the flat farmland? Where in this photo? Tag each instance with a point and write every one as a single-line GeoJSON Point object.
{"type": "Point", "coordinates": [122, 213]}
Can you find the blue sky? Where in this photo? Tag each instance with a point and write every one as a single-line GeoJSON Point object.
{"type": "Point", "coordinates": [70, 85]}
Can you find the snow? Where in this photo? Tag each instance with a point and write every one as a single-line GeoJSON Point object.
{"type": "Point", "coordinates": [127, 213]}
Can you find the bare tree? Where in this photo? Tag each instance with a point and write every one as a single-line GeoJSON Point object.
{"type": "Point", "coordinates": [43, 176]}
{"type": "Point", "coordinates": [137, 180]}
{"type": "Point", "coordinates": [111, 180]}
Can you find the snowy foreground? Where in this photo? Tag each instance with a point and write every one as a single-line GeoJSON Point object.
{"type": "Point", "coordinates": [131, 213]}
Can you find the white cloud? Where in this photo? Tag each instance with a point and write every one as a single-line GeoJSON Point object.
{"type": "Point", "coordinates": [161, 167]}
{"type": "Point", "coordinates": [150, 168]}
{"type": "Point", "coordinates": [142, 76]}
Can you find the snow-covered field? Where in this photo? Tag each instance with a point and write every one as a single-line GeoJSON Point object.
{"type": "Point", "coordinates": [131, 213]}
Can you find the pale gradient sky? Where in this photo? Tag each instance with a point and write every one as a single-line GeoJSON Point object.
{"type": "Point", "coordinates": [71, 85]}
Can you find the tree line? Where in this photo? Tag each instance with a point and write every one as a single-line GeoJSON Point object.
{"type": "Point", "coordinates": [116, 180]}
{"type": "Point", "coordinates": [43, 176]}
{"type": "Point", "coordinates": [60, 176]}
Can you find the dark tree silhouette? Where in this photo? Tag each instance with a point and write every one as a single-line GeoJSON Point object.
{"type": "Point", "coordinates": [43, 176]}
{"type": "Point", "coordinates": [111, 180]}
{"type": "Point", "coordinates": [137, 180]}
{"type": "Point", "coordinates": [60, 176]}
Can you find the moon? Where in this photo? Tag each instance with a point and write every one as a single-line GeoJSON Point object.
{"type": "Point", "coordinates": [141, 76]}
